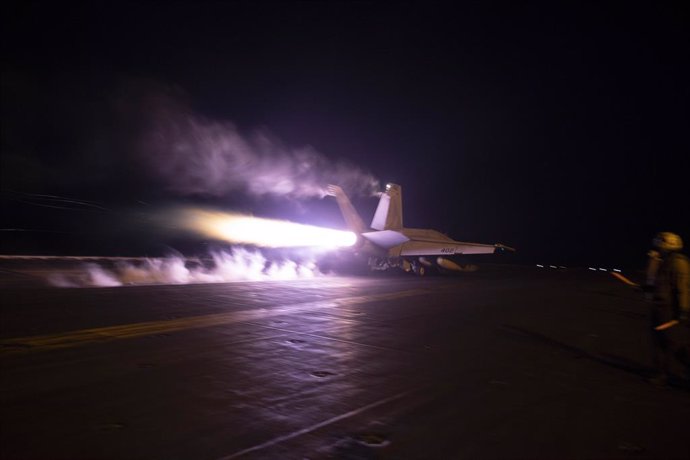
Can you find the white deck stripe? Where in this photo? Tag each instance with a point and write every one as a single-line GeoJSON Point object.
{"type": "Point", "coordinates": [309, 429]}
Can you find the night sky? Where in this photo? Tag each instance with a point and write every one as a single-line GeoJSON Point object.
{"type": "Point", "coordinates": [561, 129]}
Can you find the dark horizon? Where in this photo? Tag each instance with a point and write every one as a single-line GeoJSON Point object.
{"type": "Point", "coordinates": [560, 130]}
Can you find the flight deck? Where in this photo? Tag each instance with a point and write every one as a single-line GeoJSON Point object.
{"type": "Point", "coordinates": [505, 362]}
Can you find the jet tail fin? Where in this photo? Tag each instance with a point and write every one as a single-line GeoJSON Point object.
{"type": "Point", "coordinates": [352, 219]}
{"type": "Point", "coordinates": [388, 214]}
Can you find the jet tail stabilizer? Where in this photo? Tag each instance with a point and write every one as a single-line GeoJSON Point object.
{"type": "Point", "coordinates": [388, 214]}
{"type": "Point", "coordinates": [352, 219]}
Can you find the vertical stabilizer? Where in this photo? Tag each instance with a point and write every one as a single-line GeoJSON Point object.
{"type": "Point", "coordinates": [388, 214]}
{"type": "Point", "coordinates": [352, 219]}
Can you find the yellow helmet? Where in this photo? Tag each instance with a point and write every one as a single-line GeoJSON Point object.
{"type": "Point", "coordinates": [667, 241]}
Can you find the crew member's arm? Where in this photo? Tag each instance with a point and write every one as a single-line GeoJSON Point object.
{"type": "Point", "coordinates": [653, 263]}
{"type": "Point", "coordinates": [682, 284]}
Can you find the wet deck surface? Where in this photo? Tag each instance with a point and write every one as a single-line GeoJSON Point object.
{"type": "Point", "coordinates": [509, 363]}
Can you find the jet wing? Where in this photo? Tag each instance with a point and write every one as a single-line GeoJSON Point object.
{"type": "Point", "coordinates": [434, 248]}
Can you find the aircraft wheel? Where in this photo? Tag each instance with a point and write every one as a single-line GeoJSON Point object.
{"type": "Point", "coordinates": [419, 269]}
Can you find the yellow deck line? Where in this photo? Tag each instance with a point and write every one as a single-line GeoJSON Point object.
{"type": "Point", "coordinates": [125, 331]}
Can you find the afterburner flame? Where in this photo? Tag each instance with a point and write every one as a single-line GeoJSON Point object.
{"type": "Point", "coordinates": [266, 233]}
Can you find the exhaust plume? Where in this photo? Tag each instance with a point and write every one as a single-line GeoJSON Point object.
{"type": "Point", "coordinates": [236, 265]}
{"type": "Point", "coordinates": [260, 232]}
{"type": "Point", "coordinates": [195, 155]}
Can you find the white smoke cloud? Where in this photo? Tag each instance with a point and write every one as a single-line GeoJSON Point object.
{"type": "Point", "coordinates": [196, 155]}
{"type": "Point", "coordinates": [236, 265]}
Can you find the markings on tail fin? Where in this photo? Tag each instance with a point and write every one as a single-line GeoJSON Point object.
{"type": "Point", "coordinates": [388, 214]}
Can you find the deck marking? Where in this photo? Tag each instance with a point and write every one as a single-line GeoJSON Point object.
{"type": "Point", "coordinates": [125, 331]}
{"type": "Point", "coordinates": [309, 429]}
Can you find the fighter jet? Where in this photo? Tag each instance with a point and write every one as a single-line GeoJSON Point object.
{"type": "Point", "coordinates": [390, 245]}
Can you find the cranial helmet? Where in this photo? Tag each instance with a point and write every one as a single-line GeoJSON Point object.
{"type": "Point", "coordinates": [667, 241]}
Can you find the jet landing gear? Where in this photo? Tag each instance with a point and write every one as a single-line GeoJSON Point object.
{"type": "Point", "coordinates": [418, 269]}
{"type": "Point", "coordinates": [378, 264]}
